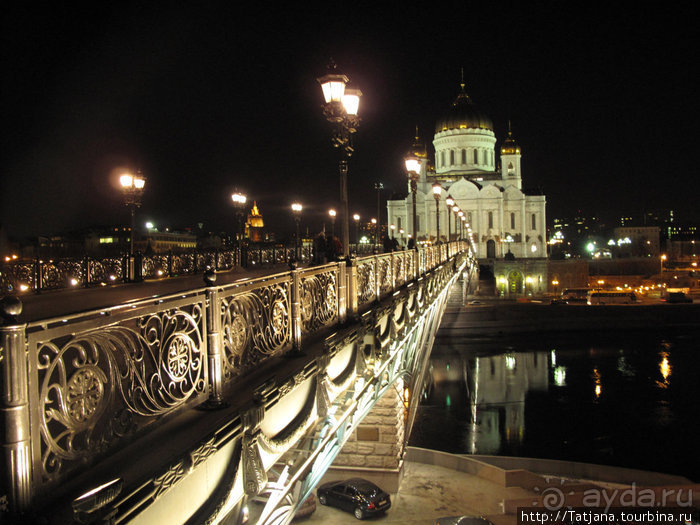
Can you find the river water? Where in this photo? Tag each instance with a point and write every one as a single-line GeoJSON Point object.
{"type": "Point", "coordinates": [627, 398]}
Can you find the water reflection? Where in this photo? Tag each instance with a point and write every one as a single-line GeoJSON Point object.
{"type": "Point", "coordinates": [493, 388]}
{"type": "Point", "coordinates": [610, 402]}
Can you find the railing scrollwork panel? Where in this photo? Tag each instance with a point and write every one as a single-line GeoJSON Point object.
{"type": "Point", "coordinates": [366, 281]}
{"type": "Point", "coordinates": [256, 324]}
{"type": "Point", "coordinates": [95, 387]}
{"type": "Point", "coordinates": [319, 298]}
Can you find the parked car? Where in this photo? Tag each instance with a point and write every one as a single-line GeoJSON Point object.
{"type": "Point", "coordinates": [678, 297]}
{"type": "Point", "coordinates": [462, 520]}
{"type": "Point", "coordinates": [359, 496]}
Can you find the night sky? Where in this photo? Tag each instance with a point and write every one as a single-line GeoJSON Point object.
{"type": "Point", "coordinates": [206, 97]}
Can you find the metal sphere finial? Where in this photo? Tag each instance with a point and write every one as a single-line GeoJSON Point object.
{"type": "Point", "coordinates": [10, 308]}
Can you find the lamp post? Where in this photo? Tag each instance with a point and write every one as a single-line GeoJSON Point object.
{"type": "Point", "coordinates": [340, 109]}
{"type": "Point", "coordinates": [375, 223]}
{"type": "Point", "coordinates": [450, 203]}
{"type": "Point", "coordinates": [379, 187]}
{"type": "Point", "coordinates": [239, 201]}
{"type": "Point", "coordinates": [296, 211]}
{"type": "Point", "coordinates": [332, 213]}
{"type": "Point", "coordinates": [413, 165]}
{"type": "Point", "coordinates": [456, 211]}
{"type": "Point", "coordinates": [356, 218]}
{"type": "Point", "coordinates": [462, 218]}
{"type": "Point", "coordinates": [132, 188]}
{"type": "Point", "coordinates": [437, 192]}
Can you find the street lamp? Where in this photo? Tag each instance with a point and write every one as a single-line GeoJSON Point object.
{"type": "Point", "coordinates": [375, 223]}
{"type": "Point", "coordinates": [379, 187]}
{"type": "Point", "coordinates": [456, 210]}
{"type": "Point", "coordinates": [437, 192]}
{"type": "Point", "coordinates": [332, 213]}
{"type": "Point", "coordinates": [356, 218]}
{"type": "Point", "coordinates": [296, 211]}
{"type": "Point", "coordinates": [413, 166]}
{"type": "Point", "coordinates": [340, 109]}
{"type": "Point", "coordinates": [450, 202]}
{"type": "Point", "coordinates": [132, 188]}
{"type": "Point", "coordinates": [239, 201]}
{"type": "Point", "coordinates": [461, 216]}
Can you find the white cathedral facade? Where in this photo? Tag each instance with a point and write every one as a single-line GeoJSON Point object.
{"type": "Point", "coordinates": [502, 217]}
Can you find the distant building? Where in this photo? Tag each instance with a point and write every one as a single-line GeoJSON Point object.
{"type": "Point", "coordinates": [503, 216]}
{"type": "Point", "coordinates": [637, 241]}
{"type": "Point", "coordinates": [254, 225]}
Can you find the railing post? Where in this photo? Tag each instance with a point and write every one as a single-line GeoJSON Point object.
{"type": "Point", "coordinates": [351, 291]}
{"type": "Point", "coordinates": [85, 264]}
{"type": "Point", "coordinates": [215, 342]}
{"type": "Point", "coordinates": [37, 275]}
{"type": "Point", "coordinates": [342, 292]}
{"type": "Point", "coordinates": [296, 311]}
{"type": "Point", "coordinates": [137, 277]}
{"type": "Point", "coordinates": [14, 407]}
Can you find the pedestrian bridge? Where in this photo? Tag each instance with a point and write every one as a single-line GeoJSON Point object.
{"type": "Point", "coordinates": [218, 404]}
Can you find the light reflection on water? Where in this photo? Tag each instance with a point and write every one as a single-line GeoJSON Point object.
{"type": "Point", "coordinates": [628, 400]}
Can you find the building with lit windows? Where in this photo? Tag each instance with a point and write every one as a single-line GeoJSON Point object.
{"type": "Point", "coordinates": [503, 216]}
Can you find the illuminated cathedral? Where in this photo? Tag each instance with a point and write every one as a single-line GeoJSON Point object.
{"type": "Point", "coordinates": [504, 218]}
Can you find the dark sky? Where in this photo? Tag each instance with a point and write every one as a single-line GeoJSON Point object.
{"type": "Point", "coordinates": [206, 97]}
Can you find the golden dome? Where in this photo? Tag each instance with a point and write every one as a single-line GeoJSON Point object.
{"type": "Point", "coordinates": [510, 147]}
{"type": "Point", "coordinates": [464, 115]}
{"type": "Point", "coordinates": [418, 147]}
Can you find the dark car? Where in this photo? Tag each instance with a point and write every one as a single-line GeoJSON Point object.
{"type": "Point", "coordinates": [678, 297]}
{"type": "Point", "coordinates": [359, 496]}
{"type": "Point", "coordinates": [462, 520]}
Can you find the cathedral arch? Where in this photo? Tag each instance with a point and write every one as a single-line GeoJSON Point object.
{"type": "Point", "coordinates": [491, 249]}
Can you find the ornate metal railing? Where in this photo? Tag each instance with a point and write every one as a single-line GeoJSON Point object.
{"type": "Point", "coordinates": [77, 388]}
{"type": "Point", "coordinates": [18, 277]}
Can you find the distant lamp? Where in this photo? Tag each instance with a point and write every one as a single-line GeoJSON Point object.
{"type": "Point", "coordinates": [296, 211]}
{"type": "Point", "coordinates": [413, 166]}
{"type": "Point", "coordinates": [332, 213]}
{"type": "Point", "coordinates": [437, 193]}
{"type": "Point", "coordinates": [239, 201]}
{"type": "Point", "coordinates": [450, 203]}
{"type": "Point", "coordinates": [132, 189]}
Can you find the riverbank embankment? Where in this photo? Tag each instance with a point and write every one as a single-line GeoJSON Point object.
{"type": "Point", "coordinates": [494, 317]}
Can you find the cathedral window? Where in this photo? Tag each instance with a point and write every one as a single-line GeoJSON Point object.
{"type": "Point", "coordinates": [534, 221]}
{"type": "Point", "coordinates": [511, 170]}
{"type": "Point", "coordinates": [490, 219]}
{"type": "Point", "coordinates": [452, 158]}
{"type": "Point", "coordinates": [476, 156]}
{"type": "Point", "coordinates": [512, 221]}
{"type": "Point", "coordinates": [442, 159]}
{"type": "Point", "coordinates": [464, 156]}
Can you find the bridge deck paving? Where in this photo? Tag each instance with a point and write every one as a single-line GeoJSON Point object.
{"type": "Point", "coordinates": [428, 492]}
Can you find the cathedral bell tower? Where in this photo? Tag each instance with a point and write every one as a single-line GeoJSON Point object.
{"type": "Point", "coordinates": [510, 162]}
